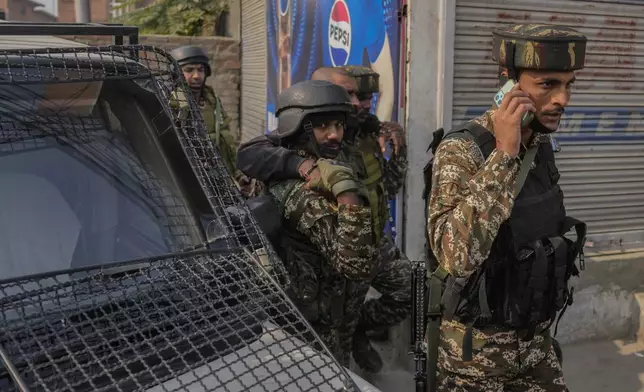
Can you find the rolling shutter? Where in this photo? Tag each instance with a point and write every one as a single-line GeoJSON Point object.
{"type": "Point", "coordinates": [253, 68]}
{"type": "Point", "coordinates": [602, 133]}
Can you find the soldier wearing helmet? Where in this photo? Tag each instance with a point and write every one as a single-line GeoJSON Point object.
{"type": "Point", "coordinates": [264, 159]}
{"type": "Point", "coordinates": [328, 242]}
{"type": "Point", "coordinates": [497, 225]}
{"type": "Point", "coordinates": [196, 69]}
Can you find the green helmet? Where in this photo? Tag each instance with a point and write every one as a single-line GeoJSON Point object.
{"type": "Point", "coordinates": [305, 98]}
{"type": "Point", "coordinates": [191, 54]}
{"type": "Point", "coordinates": [539, 47]}
{"type": "Point", "coordinates": [366, 78]}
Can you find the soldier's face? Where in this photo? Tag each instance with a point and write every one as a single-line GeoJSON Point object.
{"type": "Point", "coordinates": [550, 91]}
{"type": "Point", "coordinates": [195, 75]}
{"type": "Point", "coordinates": [365, 101]}
{"type": "Point", "coordinates": [351, 86]}
{"type": "Point", "coordinates": [328, 135]}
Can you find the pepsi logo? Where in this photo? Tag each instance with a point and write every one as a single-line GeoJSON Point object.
{"type": "Point", "coordinates": [339, 33]}
{"type": "Point", "coordinates": [284, 6]}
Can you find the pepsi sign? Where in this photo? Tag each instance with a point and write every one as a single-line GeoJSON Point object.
{"type": "Point", "coordinates": [339, 33]}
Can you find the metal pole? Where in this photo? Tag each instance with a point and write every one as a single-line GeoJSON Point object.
{"type": "Point", "coordinates": [82, 11]}
{"type": "Point", "coordinates": [20, 384]}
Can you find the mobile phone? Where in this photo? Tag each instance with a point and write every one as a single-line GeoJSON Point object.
{"type": "Point", "coordinates": [498, 98]}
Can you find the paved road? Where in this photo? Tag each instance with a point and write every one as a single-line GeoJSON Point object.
{"type": "Point", "coordinates": [615, 366]}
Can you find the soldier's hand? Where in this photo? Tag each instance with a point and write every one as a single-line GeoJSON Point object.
{"type": "Point", "coordinates": [507, 120]}
{"type": "Point", "coordinates": [308, 170]}
{"type": "Point", "coordinates": [394, 132]}
{"type": "Point", "coordinates": [335, 177]}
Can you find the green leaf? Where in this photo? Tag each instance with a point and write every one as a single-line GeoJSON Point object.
{"type": "Point", "coordinates": [180, 17]}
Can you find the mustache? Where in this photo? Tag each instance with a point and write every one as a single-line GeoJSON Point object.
{"type": "Point", "coordinates": [555, 112]}
{"type": "Point", "coordinates": [331, 144]}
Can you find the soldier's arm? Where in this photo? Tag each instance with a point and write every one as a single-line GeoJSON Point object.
{"type": "Point", "coordinates": [395, 171]}
{"type": "Point", "coordinates": [469, 200]}
{"type": "Point", "coordinates": [341, 231]}
{"type": "Point", "coordinates": [231, 139]}
{"type": "Point", "coordinates": [262, 158]}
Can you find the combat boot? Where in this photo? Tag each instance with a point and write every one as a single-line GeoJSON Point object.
{"type": "Point", "coordinates": [364, 354]}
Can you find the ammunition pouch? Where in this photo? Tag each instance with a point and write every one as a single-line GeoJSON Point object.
{"type": "Point", "coordinates": [520, 292]}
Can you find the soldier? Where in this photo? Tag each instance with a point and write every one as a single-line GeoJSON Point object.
{"type": "Point", "coordinates": [497, 223]}
{"type": "Point", "coordinates": [264, 159]}
{"type": "Point", "coordinates": [196, 69]}
{"type": "Point", "coordinates": [328, 241]}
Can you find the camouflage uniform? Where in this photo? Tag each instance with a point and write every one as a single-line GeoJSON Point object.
{"type": "Point", "coordinates": [264, 159]}
{"type": "Point", "coordinates": [215, 117]}
{"type": "Point", "coordinates": [328, 247]}
{"type": "Point", "coordinates": [343, 236]}
{"type": "Point", "coordinates": [470, 199]}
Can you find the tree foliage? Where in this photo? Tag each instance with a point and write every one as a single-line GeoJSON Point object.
{"type": "Point", "coordinates": [178, 17]}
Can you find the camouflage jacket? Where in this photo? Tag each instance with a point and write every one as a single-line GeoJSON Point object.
{"type": "Point", "coordinates": [342, 233]}
{"type": "Point", "coordinates": [470, 199]}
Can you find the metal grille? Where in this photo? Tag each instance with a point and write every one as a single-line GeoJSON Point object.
{"type": "Point", "coordinates": [199, 315]}
{"type": "Point", "coordinates": [200, 321]}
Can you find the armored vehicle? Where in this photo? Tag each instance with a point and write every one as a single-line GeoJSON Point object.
{"type": "Point", "coordinates": [129, 259]}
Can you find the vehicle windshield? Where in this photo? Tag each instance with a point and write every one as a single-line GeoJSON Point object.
{"type": "Point", "coordinates": [79, 186]}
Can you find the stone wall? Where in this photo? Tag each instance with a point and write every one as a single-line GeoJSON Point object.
{"type": "Point", "coordinates": [224, 58]}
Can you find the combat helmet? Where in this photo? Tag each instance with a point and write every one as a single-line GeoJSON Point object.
{"type": "Point", "coordinates": [539, 47]}
{"type": "Point", "coordinates": [190, 54]}
{"type": "Point", "coordinates": [366, 78]}
{"type": "Point", "coordinates": [306, 98]}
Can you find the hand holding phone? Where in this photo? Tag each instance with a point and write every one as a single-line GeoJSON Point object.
{"type": "Point", "coordinates": [515, 111]}
{"type": "Point", "coordinates": [498, 98]}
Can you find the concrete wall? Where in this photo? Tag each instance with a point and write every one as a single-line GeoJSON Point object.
{"type": "Point", "coordinates": [224, 58]}
{"type": "Point", "coordinates": [607, 298]}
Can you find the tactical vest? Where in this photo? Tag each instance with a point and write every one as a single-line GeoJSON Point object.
{"type": "Point", "coordinates": [368, 168]}
{"type": "Point", "coordinates": [317, 290]}
{"type": "Point", "coordinates": [523, 283]}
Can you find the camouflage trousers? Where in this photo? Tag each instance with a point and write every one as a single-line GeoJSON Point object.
{"type": "Point", "coordinates": [392, 280]}
{"type": "Point", "coordinates": [502, 361]}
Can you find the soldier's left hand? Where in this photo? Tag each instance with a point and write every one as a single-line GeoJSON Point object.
{"type": "Point", "coordinates": [391, 131]}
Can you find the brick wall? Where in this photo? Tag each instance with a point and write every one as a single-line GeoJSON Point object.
{"type": "Point", "coordinates": [99, 11]}
{"type": "Point", "coordinates": [224, 58]}
{"type": "Point", "coordinates": [23, 11]}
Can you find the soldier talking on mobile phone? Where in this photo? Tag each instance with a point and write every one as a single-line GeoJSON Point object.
{"type": "Point", "coordinates": [497, 225]}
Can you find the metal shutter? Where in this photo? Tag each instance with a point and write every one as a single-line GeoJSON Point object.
{"type": "Point", "coordinates": [253, 68]}
{"type": "Point", "coordinates": [602, 134]}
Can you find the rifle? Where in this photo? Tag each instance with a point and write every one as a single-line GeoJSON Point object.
{"type": "Point", "coordinates": [418, 323]}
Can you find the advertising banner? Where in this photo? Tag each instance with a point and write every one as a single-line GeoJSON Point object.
{"type": "Point", "coordinates": [304, 35]}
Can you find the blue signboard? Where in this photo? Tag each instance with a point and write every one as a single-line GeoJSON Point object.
{"type": "Point", "coordinates": [303, 35]}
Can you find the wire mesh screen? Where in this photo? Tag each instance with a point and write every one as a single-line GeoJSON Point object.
{"type": "Point", "coordinates": [197, 322]}
{"type": "Point", "coordinates": [134, 262]}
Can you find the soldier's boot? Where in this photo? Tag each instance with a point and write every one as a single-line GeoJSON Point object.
{"type": "Point", "coordinates": [364, 354]}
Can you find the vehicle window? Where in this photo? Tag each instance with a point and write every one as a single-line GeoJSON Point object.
{"type": "Point", "coordinates": [80, 188]}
